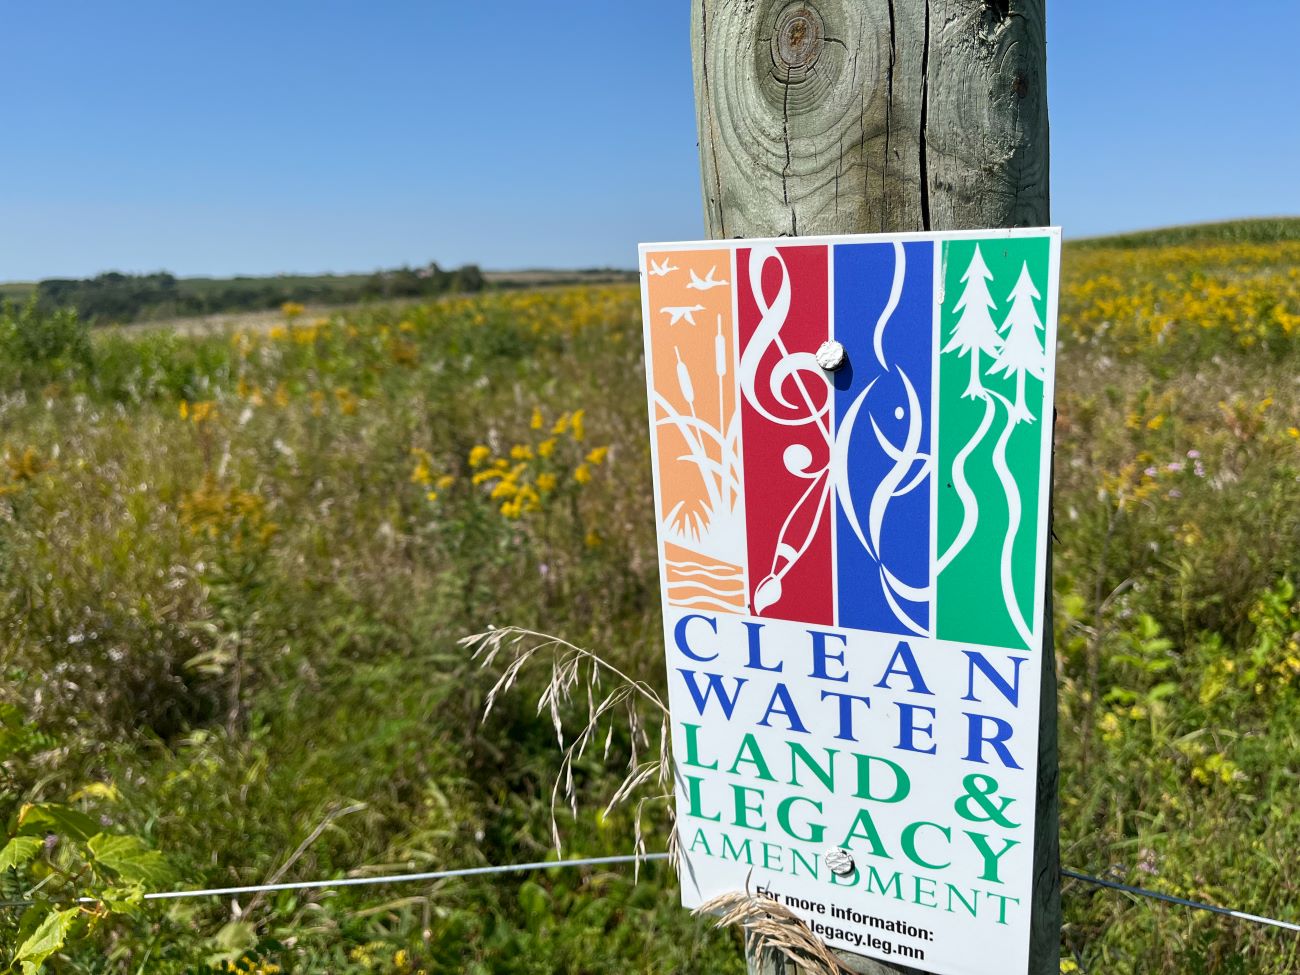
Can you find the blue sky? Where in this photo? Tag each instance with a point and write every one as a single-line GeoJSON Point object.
{"type": "Point", "coordinates": [229, 137]}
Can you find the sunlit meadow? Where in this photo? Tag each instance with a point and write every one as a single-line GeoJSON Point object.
{"type": "Point", "coordinates": [235, 569]}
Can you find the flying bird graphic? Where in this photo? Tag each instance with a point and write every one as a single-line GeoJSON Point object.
{"type": "Point", "coordinates": [679, 312]}
{"type": "Point", "coordinates": [706, 282]}
{"type": "Point", "coordinates": [659, 270]}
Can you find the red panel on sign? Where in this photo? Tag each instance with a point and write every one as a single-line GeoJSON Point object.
{"type": "Point", "coordinates": [782, 297]}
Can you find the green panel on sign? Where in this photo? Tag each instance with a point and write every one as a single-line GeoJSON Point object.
{"type": "Point", "coordinates": [992, 363]}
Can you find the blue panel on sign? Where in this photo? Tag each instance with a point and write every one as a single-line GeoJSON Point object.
{"type": "Point", "coordinates": [882, 463]}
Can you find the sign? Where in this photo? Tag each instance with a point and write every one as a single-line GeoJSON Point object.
{"type": "Point", "coordinates": [853, 565]}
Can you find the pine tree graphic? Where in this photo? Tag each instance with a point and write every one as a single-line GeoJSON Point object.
{"type": "Point", "coordinates": [1021, 351]}
{"type": "Point", "coordinates": [975, 331]}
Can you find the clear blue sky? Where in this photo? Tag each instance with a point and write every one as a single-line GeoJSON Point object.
{"type": "Point", "coordinates": [214, 138]}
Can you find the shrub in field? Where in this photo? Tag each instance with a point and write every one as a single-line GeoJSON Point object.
{"type": "Point", "coordinates": [41, 346]}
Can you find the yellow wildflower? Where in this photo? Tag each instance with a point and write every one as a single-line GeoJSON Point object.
{"type": "Point", "coordinates": [561, 425]}
{"type": "Point", "coordinates": [579, 432]}
{"type": "Point", "coordinates": [545, 483]}
{"type": "Point", "coordinates": [478, 455]}
{"type": "Point", "coordinates": [431, 496]}
{"type": "Point", "coordinates": [291, 310]}
{"type": "Point", "coordinates": [347, 402]}
{"type": "Point", "coordinates": [521, 452]}
{"type": "Point", "coordinates": [597, 455]}
{"type": "Point", "coordinates": [422, 474]}
{"type": "Point", "coordinates": [511, 509]}
{"type": "Point", "coordinates": [184, 410]}
{"type": "Point", "coordinates": [536, 421]}
{"type": "Point", "coordinates": [504, 489]}
{"type": "Point", "coordinates": [582, 474]}
{"type": "Point", "coordinates": [1293, 433]}
{"type": "Point", "coordinates": [444, 482]}
{"type": "Point", "coordinates": [546, 447]}
{"type": "Point", "coordinates": [593, 539]}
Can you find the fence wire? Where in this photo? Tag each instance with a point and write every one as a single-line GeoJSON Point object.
{"type": "Point", "coordinates": [406, 878]}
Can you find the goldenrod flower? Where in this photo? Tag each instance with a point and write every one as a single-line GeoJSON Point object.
{"type": "Point", "coordinates": [347, 402]}
{"type": "Point", "coordinates": [593, 539]}
{"type": "Point", "coordinates": [504, 489]}
{"type": "Point", "coordinates": [546, 482]}
{"type": "Point", "coordinates": [561, 425]}
{"type": "Point", "coordinates": [597, 455]}
{"type": "Point", "coordinates": [546, 448]}
{"type": "Point", "coordinates": [579, 432]}
{"type": "Point", "coordinates": [536, 422]}
{"type": "Point", "coordinates": [444, 482]}
{"type": "Point", "coordinates": [422, 473]}
{"type": "Point", "coordinates": [521, 452]}
{"type": "Point", "coordinates": [478, 455]}
{"type": "Point", "coordinates": [582, 474]}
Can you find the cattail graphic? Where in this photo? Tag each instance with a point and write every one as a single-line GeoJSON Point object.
{"type": "Point", "coordinates": [684, 379]}
{"type": "Point", "coordinates": [720, 351]}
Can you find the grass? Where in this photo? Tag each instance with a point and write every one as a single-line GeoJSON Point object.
{"type": "Point", "coordinates": [235, 569]}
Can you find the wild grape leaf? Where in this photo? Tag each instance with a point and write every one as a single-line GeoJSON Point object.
{"type": "Point", "coordinates": [130, 859]}
{"type": "Point", "coordinates": [37, 819]}
{"type": "Point", "coordinates": [46, 940]}
{"type": "Point", "coordinates": [19, 850]}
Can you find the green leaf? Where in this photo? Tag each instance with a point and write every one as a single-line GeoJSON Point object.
{"type": "Point", "coordinates": [231, 942]}
{"type": "Point", "coordinates": [37, 819]}
{"type": "Point", "coordinates": [1162, 691]}
{"type": "Point", "coordinates": [129, 858]}
{"type": "Point", "coordinates": [19, 850]}
{"type": "Point", "coordinates": [46, 940]}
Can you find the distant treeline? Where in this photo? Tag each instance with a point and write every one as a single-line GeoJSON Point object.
{"type": "Point", "coordinates": [115, 297]}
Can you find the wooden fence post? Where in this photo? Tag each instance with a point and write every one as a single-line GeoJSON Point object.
{"type": "Point", "coordinates": [860, 116]}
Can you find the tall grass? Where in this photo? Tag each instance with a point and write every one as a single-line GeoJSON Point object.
{"type": "Point", "coordinates": [235, 569]}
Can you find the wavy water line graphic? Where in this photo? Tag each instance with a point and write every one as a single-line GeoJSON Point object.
{"type": "Point", "coordinates": [904, 458]}
{"type": "Point", "coordinates": [840, 467]}
{"type": "Point", "coordinates": [702, 584]}
{"type": "Point", "coordinates": [970, 508]}
{"type": "Point", "coordinates": [692, 573]}
{"type": "Point", "coordinates": [701, 602]}
{"type": "Point", "coordinates": [895, 293]}
{"type": "Point", "coordinates": [704, 566]}
{"type": "Point", "coordinates": [1014, 510]}
{"type": "Point", "coordinates": [897, 610]}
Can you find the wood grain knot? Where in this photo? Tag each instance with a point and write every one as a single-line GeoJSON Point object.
{"type": "Point", "coordinates": [799, 36]}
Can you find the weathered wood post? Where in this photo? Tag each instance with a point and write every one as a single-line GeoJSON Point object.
{"type": "Point", "coordinates": [859, 116]}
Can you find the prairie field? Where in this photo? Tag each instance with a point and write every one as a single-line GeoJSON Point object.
{"type": "Point", "coordinates": [236, 569]}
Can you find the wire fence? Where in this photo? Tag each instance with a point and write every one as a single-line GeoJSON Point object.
{"type": "Point", "coordinates": [401, 878]}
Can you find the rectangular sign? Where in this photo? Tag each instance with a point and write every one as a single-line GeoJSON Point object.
{"type": "Point", "coordinates": [851, 441]}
